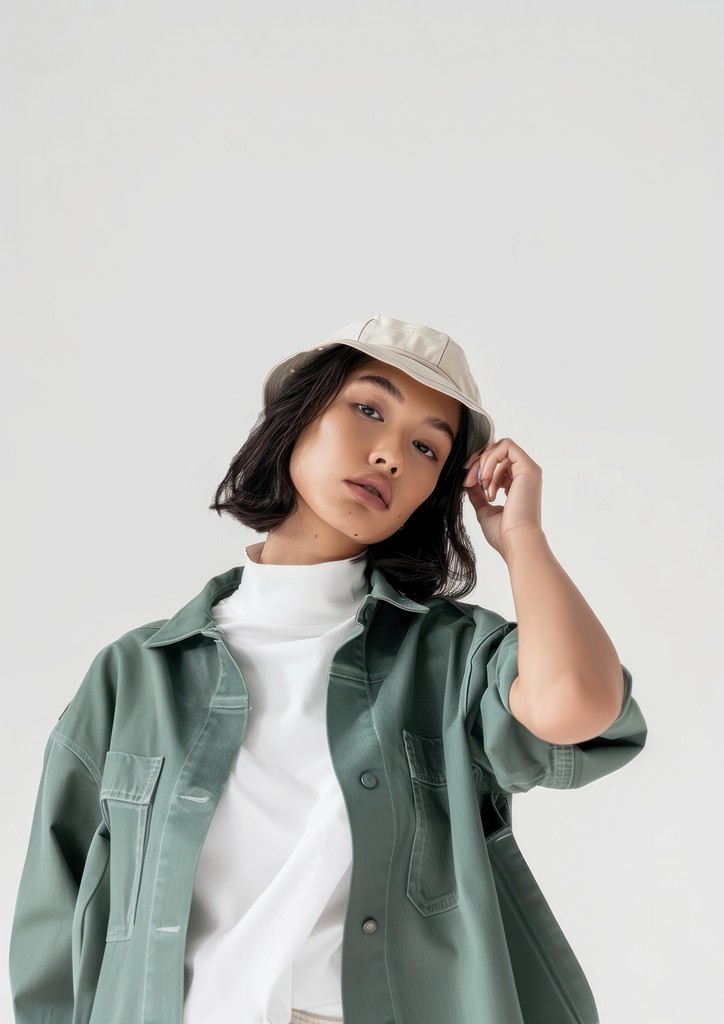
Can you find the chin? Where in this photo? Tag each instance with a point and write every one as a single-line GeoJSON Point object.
{"type": "Point", "coordinates": [358, 536]}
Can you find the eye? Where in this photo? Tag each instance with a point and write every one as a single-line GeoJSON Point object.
{"type": "Point", "coordinates": [432, 455]}
{"type": "Point", "coordinates": [361, 405]}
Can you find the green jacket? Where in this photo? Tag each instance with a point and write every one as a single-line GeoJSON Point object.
{"type": "Point", "coordinates": [445, 921]}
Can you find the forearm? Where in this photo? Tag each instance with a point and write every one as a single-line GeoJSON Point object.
{"type": "Point", "coordinates": [566, 660]}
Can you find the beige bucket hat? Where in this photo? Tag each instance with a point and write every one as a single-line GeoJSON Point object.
{"type": "Point", "coordinates": [427, 355]}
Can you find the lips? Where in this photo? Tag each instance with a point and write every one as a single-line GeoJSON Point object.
{"type": "Point", "coordinates": [376, 480]}
{"type": "Point", "coordinates": [366, 496]}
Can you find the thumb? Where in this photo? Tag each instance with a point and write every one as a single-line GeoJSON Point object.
{"type": "Point", "coordinates": [477, 497]}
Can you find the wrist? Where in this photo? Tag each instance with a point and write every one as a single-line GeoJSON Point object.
{"type": "Point", "coordinates": [523, 540]}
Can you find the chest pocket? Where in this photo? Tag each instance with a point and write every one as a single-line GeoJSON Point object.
{"type": "Point", "coordinates": [127, 789]}
{"type": "Point", "coordinates": [431, 883]}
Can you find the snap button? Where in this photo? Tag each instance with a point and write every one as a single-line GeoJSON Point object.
{"type": "Point", "coordinates": [367, 613]}
{"type": "Point", "coordinates": [370, 925]}
{"type": "Point", "coordinates": [369, 780]}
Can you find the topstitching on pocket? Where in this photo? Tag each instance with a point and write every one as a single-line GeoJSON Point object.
{"type": "Point", "coordinates": [431, 883]}
{"type": "Point", "coordinates": [127, 789]}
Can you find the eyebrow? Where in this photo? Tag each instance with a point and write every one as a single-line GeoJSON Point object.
{"type": "Point", "coordinates": [391, 388]}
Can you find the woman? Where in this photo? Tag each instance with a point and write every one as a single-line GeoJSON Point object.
{"type": "Point", "coordinates": [291, 801]}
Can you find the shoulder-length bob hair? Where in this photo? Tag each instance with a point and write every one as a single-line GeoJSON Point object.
{"type": "Point", "coordinates": [429, 556]}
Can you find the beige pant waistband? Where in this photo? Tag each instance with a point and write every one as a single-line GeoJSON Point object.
{"type": "Point", "coordinates": [303, 1017]}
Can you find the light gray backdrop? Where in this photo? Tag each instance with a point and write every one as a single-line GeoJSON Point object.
{"type": "Point", "coordinates": [193, 190]}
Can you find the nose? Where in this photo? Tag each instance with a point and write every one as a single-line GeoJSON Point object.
{"type": "Point", "coordinates": [390, 453]}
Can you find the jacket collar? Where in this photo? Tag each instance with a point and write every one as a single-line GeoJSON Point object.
{"type": "Point", "coordinates": [196, 617]}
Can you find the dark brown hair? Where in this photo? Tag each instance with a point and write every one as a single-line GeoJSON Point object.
{"type": "Point", "coordinates": [433, 551]}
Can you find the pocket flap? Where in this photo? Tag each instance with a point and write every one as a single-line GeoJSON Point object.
{"type": "Point", "coordinates": [131, 777]}
{"type": "Point", "coordinates": [425, 757]}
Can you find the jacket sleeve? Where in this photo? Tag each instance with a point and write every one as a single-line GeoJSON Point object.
{"type": "Point", "coordinates": [517, 758]}
{"type": "Point", "coordinates": [66, 816]}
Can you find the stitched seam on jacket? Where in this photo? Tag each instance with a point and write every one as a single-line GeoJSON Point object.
{"type": "Point", "coordinates": [199, 733]}
{"type": "Point", "coordinates": [563, 766]}
{"type": "Point", "coordinates": [470, 659]}
{"type": "Point", "coordinates": [373, 719]}
{"type": "Point", "coordinates": [81, 754]}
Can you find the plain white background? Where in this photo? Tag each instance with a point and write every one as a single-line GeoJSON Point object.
{"type": "Point", "coordinates": [192, 191]}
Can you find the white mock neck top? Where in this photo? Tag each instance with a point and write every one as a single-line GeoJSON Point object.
{"type": "Point", "coordinates": [272, 881]}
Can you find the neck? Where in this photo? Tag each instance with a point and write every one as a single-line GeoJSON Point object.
{"type": "Point", "coordinates": [313, 593]}
{"type": "Point", "coordinates": [276, 550]}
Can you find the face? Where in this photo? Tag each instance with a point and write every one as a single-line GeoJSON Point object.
{"type": "Point", "coordinates": [396, 430]}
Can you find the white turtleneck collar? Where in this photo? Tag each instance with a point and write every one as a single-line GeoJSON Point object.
{"type": "Point", "coordinates": [322, 594]}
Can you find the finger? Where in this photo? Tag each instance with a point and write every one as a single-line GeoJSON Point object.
{"type": "Point", "coordinates": [476, 454]}
{"type": "Point", "coordinates": [471, 477]}
{"type": "Point", "coordinates": [484, 451]}
{"type": "Point", "coordinates": [489, 464]}
{"type": "Point", "coordinates": [493, 476]}
{"type": "Point", "coordinates": [472, 464]}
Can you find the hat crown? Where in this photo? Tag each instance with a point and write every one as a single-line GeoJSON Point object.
{"type": "Point", "coordinates": [424, 344]}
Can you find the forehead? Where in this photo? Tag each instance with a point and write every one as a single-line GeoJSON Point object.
{"type": "Point", "coordinates": [412, 390]}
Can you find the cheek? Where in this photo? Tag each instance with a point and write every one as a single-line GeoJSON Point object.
{"type": "Point", "coordinates": [415, 492]}
{"type": "Point", "coordinates": [313, 459]}
{"type": "Point", "coordinates": [300, 459]}
{"type": "Point", "coordinates": [333, 450]}
{"type": "Point", "coordinates": [427, 486]}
